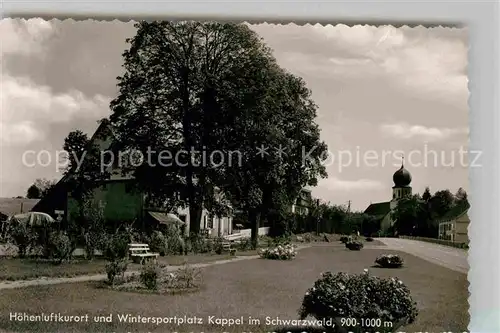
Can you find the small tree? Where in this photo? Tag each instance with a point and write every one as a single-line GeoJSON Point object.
{"type": "Point", "coordinates": [21, 235]}
{"type": "Point", "coordinates": [59, 246]}
{"type": "Point", "coordinates": [33, 192]}
{"type": "Point", "coordinates": [93, 230]}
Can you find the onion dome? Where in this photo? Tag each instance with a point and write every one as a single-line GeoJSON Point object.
{"type": "Point", "coordinates": [402, 177]}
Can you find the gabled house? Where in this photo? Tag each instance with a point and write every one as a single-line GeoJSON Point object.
{"type": "Point", "coordinates": [454, 225]}
{"type": "Point", "coordinates": [121, 202]}
{"type": "Point", "coordinates": [303, 203]}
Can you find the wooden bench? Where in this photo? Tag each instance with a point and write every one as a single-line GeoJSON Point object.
{"type": "Point", "coordinates": [141, 253]}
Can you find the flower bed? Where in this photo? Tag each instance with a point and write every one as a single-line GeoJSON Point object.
{"type": "Point", "coordinates": [154, 279]}
{"type": "Point", "coordinates": [280, 252]}
{"type": "Point", "coordinates": [389, 261]}
{"type": "Point", "coordinates": [360, 296]}
{"type": "Point", "coordinates": [354, 245]}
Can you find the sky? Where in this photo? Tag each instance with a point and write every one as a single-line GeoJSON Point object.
{"type": "Point", "coordinates": [382, 92]}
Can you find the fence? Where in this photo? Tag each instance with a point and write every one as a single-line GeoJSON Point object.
{"type": "Point", "coordinates": [438, 241]}
{"type": "Point", "coordinates": [248, 232]}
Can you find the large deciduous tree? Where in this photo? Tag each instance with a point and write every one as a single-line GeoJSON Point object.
{"type": "Point", "coordinates": [213, 88]}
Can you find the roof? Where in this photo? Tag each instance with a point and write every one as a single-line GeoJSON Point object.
{"type": "Point", "coordinates": [166, 218]}
{"type": "Point", "coordinates": [379, 209]}
{"type": "Point", "coordinates": [103, 131]}
{"type": "Point", "coordinates": [12, 206]}
{"type": "Point", "coordinates": [455, 212]}
{"type": "Point", "coordinates": [304, 199]}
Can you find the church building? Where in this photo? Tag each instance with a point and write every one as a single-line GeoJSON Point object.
{"type": "Point", "coordinates": [382, 210]}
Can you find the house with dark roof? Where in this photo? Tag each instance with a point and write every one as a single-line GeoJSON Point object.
{"type": "Point", "coordinates": [382, 210]}
{"type": "Point", "coordinates": [119, 199]}
{"type": "Point", "coordinates": [303, 202]}
{"type": "Point", "coordinates": [455, 224]}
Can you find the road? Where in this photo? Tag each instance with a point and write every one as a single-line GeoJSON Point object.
{"type": "Point", "coordinates": [449, 257]}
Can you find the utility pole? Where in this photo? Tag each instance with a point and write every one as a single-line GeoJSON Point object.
{"type": "Point", "coordinates": [349, 214]}
{"type": "Point", "coordinates": [318, 217]}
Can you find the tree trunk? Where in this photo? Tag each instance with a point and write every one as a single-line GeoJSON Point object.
{"type": "Point", "coordinates": [253, 218]}
{"type": "Point", "coordinates": [195, 211]}
{"type": "Point", "coordinates": [194, 204]}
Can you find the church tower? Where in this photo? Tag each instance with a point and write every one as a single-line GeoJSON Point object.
{"type": "Point", "coordinates": [401, 188]}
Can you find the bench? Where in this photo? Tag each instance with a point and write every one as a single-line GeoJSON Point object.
{"type": "Point", "coordinates": [141, 253]}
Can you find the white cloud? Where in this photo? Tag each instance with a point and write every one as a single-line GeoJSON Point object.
{"type": "Point", "coordinates": [28, 109]}
{"type": "Point", "coordinates": [337, 184]}
{"type": "Point", "coordinates": [419, 60]}
{"type": "Point", "coordinates": [24, 37]}
{"type": "Point", "coordinates": [20, 133]}
{"type": "Point", "coordinates": [406, 131]}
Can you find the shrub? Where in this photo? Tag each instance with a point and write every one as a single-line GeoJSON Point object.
{"type": "Point", "coordinates": [59, 246]}
{"type": "Point", "coordinates": [93, 240]}
{"type": "Point", "coordinates": [116, 246]}
{"type": "Point", "coordinates": [389, 261]}
{"type": "Point", "coordinates": [21, 235]}
{"type": "Point", "coordinates": [344, 239]}
{"type": "Point", "coordinates": [369, 239]}
{"type": "Point", "coordinates": [116, 268]}
{"type": "Point", "coordinates": [308, 238]}
{"type": "Point", "coordinates": [359, 296]}
{"type": "Point", "coordinates": [174, 240]}
{"type": "Point", "coordinates": [281, 252]}
{"type": "Point", "coordinates": [245, 244]}
{"type": "Point", "coordinates": [218, 248]}
{"type": "Point", "coordinates": [158, 243]}
{"type": "Point", "coordinates": [186, 277]}
{"type": "Point", "coordinates": [92, 224]}
{"type": "Point", "coordinates": [198, 244]}
{"type": "Point", "coordinates": [149, 276]}
{"type": "Point", "coordinates": [354, 245]}
{"type": "Point", "coordinates": [277, 241]}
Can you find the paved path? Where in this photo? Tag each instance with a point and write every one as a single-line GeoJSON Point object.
{"type": "Point", "coordinates": [100, 277]}
{"type": "Point", "coordinates": [449, 257]}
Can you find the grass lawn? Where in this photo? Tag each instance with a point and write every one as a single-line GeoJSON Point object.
{"type": "Point", "coordinates": [26, 269]}
{"type": "Point", "coordinates": [257, 288]}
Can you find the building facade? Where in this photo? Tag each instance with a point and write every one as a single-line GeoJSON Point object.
{"type": "Point", "coordinates": [455, 227]}
{"type": "Point", "coordinates": [303, 203]}
{"type": "Point", "coordinates": [122, 202]}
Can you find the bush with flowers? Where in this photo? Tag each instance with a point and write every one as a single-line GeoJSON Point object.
{"type": "Point", "coordinates": [359, 296]}
{"type": "Point", "coordinates": [280, 252]}
{"type": "Point", "coordinates": [389, 261]}
{"type": "Point", "coordinates": [354, 245]}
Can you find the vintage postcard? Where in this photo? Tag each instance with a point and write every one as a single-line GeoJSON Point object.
{"type": "Point", "coordinates": [233, 177]}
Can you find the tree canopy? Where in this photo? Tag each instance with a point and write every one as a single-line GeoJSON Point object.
{"type": "Point", "coordinates": [211, 96]}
